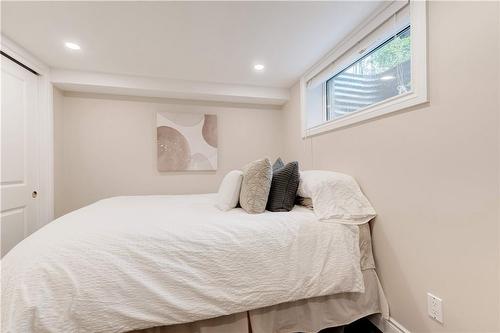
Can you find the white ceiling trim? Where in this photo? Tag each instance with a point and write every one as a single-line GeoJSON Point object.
{"type": "Point", "coordinates": [19, 53]}
{"type": "Point", "coordinates": [91, 82]}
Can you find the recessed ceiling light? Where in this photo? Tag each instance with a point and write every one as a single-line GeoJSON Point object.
{"type": "Point", "coordinates": [258, 67]}
{"type": "Point", "coordinates": [387, 78]}
{"type": "Point", "coordinates": [72, 46]}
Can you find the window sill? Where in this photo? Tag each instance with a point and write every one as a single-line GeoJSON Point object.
{"type": "Point", "coordinates": [392, 105]}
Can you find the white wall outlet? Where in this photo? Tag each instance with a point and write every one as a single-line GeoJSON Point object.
{"type": "Point", "coordinates": [435, 307]}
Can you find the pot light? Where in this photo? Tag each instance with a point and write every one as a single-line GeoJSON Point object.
{"type": "Point", "coordinates": [387, 78]}
{"type": "Point", "coordinates": [258, 67]}
{"type": "Point", "coordinates": [72, 46]}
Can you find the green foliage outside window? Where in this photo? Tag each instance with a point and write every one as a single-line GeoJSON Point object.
{"type": "Point", "coordinates": [393, 52]}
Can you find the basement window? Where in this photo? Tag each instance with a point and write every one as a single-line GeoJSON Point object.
{"type": "Point", "coordinates": [380, 68]}
{"type": "Point", "coordinates": [381, 74]}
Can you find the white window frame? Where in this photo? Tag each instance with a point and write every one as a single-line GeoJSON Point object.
{"type": "Point", "coordinates": [419, 91]}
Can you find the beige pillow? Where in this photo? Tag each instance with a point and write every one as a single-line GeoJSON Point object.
{"type": "Point", "coordinates": [255, 187]}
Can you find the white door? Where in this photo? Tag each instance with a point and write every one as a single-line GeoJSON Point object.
{"type": "Point", "coordinates": [19, 166]}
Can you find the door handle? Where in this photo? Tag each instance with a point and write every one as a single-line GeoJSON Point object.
{"type": "Point", "coordinates": [34, 194]}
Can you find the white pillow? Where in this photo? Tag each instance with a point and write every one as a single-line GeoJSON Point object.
{"type": "Point", "coordinates": [229, 190]}
{"type": "Point", "coordinates": [336, 197]}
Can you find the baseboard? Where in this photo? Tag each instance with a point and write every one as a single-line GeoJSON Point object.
{"type": "Point", "coordinates": [387, 325]}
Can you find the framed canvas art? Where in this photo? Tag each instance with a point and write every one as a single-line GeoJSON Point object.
{"type": "Point", "coordinates": [186, 141]}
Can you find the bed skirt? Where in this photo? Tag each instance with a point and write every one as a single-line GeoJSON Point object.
{"type": "Point", "coordinates": [308, 315]}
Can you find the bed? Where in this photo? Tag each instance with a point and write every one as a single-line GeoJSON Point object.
{"type": "Point", "coordinates": [178, 264]}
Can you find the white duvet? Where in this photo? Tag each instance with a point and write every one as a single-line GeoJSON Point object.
{"type": "Point", "coordinates": [127, 263]}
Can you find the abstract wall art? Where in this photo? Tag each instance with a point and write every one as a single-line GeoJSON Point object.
{"type": "Point", "coordinates": [186, 141]}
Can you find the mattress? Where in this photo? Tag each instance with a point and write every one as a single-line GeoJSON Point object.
{"type": "Point", "coordinates": [129, 263]}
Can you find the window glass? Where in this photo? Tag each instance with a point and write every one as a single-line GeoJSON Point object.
{"type": "Point", "coordinates": [383, 73]}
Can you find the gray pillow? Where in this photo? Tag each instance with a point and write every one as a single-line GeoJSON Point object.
{"type": "Point", "coordinates": [284, 187]}
{"type": "Point", "coordinates": [255, 186]}
{"type": "Point", "coordinates": [278, 164]}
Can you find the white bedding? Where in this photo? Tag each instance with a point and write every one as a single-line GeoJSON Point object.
{"type": "Point", "coordinates": [127, 263]}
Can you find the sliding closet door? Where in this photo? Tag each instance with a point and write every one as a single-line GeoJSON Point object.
{"type": "Point", "coordinates": [19, 167]}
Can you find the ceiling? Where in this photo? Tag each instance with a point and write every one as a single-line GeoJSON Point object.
{"type": "Point", "coordinates": [199, 41]}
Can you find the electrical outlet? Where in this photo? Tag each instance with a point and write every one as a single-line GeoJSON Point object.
{"type": "Point", "coordinates": [435, 307]}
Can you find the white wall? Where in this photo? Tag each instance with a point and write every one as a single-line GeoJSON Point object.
{"type": "Point", "coordinates": [432, 175]}
{"type": "Point", "coordinates": [498, 96]}
{"type": "Point", "coordinates": [106, 146]}
{"type": "Point", "coordinates": [58, 105]}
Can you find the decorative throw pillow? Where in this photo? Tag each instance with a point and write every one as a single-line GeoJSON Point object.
{"type": "Point", "coordinates": [255, 186]}
{"type": "Point", "coordinates": [229, 190]}
{"type": "Point", "coordinates": [278, 164]}
{"type": "Point", "coordinates": [284, 187]}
